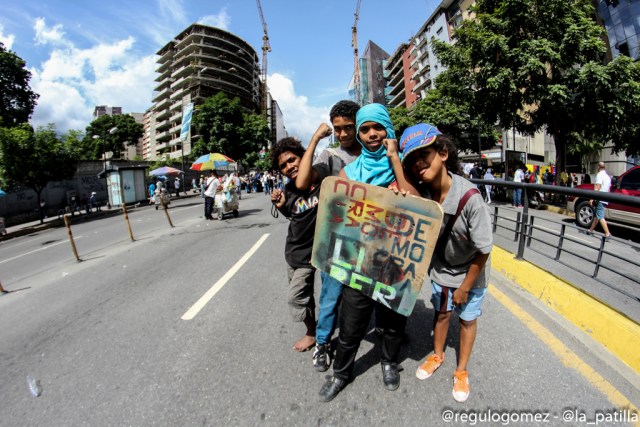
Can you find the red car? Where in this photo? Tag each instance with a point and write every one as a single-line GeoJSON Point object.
{"type": "Point", "coordinates": [628, 184]}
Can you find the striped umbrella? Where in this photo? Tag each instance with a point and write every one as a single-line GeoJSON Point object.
{"type": "Point", "coordinates": [211, 161]}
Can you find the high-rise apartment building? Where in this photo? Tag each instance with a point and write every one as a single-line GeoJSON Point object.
{"type": "Point", "coordinates": [399, 92]}
{"type": "Point", "coordinates": [198, 63]}
{"type": "Point", "coordinates": [440, 25]}
{"type": "Point", "coordinates": [101, 110]}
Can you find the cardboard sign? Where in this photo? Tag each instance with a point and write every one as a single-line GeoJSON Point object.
{"type": "Point", "coordinates": [375, 241]}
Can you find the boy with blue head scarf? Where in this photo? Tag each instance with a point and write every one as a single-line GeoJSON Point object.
{"type": "Point", "coordinates": [375, 166]}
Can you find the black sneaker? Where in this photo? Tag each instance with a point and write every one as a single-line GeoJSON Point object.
{"type": "Point", "coordinates": [321, 357]}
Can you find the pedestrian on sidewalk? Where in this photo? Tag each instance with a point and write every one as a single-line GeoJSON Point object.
{"type": "Point", "coordinates": [518, 176]}
{"type": "Point", "coordinates": [460, 266]}
{"type": "Point", "coordinates": [176, 185]}
{"type": "Point", "coordinates": [602, 183]}
{"type": "Point", "coordinates": [93, 202]}
{"type": "Point", "coordinates": [488, 176]}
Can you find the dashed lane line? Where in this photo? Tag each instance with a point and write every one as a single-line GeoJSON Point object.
{"type": "Point", "coordinates": [37, 250]}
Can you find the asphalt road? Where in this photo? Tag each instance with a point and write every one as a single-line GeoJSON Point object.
{"type": "Point", "coordinates": [107, 341]}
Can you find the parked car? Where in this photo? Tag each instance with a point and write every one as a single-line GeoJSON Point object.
{"type": "Point", "coordinates": [628, 184]}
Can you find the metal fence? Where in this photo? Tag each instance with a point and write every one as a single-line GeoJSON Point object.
{"type": "Point", "coordinates": [617, 266]}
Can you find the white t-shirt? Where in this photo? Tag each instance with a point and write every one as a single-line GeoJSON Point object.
{"type": "Point", "coordinates": [211, 186]}
{"type": "Point", "coordinates": [605, 183]}
{"type": "Point", "coordinates": [518, 176]}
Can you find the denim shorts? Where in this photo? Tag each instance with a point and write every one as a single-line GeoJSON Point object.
{"type": "Point", "coordinates": [599, 210]}
{"type": "Point", "coordinates": [442, 300]}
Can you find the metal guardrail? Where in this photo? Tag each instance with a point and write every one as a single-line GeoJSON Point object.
{"type": "Point", "coordinates": [526, 231]}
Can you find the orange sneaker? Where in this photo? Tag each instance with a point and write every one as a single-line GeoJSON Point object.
{"type": "Point", "coordinates": [460, 386]}
{"type": "Point", "coordinates": [429, 366]}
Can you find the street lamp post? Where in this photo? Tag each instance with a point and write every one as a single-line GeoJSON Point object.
{"type": "Point", "coordinates": [112, 131]}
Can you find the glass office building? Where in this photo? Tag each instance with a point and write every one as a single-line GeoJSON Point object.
{"type": "Point", "coordinates": [621, 18]}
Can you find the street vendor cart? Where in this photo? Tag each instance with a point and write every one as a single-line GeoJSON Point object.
{"type": "Point", "coordinates": [226, 203]}
{"type": "Point", "coordinates": [161, 195]}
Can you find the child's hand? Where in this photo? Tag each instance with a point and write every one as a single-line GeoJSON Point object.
{"type": "Point", "coordinates": [460, 296]}
{"type": "Point", "coordinates": [323, 131]}
{"type": "Point", "coordinates": [394, 187]}
{"type": "Point", "coordinates": [277, 197]}
{"type": "Point", "coordinates": [392, 147]}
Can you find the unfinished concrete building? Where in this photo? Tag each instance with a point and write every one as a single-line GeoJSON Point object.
{"type": "Point", "coordinates": [198, 63]}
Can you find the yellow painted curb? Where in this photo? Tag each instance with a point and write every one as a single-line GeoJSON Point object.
{"type": "Point", "coordinates": [619, 334]}
{"type": "Point", "coordinates": [566, 356]}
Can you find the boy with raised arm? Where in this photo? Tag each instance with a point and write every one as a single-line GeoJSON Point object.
{"type": "Point", "coordinates": [329, 163]}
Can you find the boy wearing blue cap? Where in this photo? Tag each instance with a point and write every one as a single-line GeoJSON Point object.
{"type": "Point", "coordinates": [460, 267]}
{"type": "Point", "coordinates": [373, 166]}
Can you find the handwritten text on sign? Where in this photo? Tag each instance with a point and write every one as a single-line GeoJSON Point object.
{"type": "Point", "coordinates": [375, 241]}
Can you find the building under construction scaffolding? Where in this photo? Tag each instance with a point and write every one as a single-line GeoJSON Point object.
{"type": "Point", "coordinates": [198, 63]}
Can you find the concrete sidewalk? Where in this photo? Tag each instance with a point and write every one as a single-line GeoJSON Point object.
{"type": "Point", "coordinates": [30, 227]}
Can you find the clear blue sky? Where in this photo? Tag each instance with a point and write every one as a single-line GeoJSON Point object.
{"type": "Point", "coordinates": [89, 52]}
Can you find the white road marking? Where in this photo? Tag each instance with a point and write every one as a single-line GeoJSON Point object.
{"type": "Point", "coordinates": [38, 250]}
{"type": "Point", "coordinates": [204, 299]}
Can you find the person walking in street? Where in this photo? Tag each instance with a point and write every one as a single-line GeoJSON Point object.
{"type": "Point", "coordinates": [602, 183]}
{"type": "Point", "coordinates": [461, 265]}
{"type": "Point", "coordinates": [518, 176]}
{"type": "Point", "coordinates": [329, 162]}
{"type": "Point", "coordinates": [152, 192]}
{"type": "Point", "coordinates": [210, 189]}
{"type": "Point", "coordinates": [301, 207]}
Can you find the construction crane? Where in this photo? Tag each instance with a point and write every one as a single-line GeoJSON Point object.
{"type": "Point", "coordinates": [356, 61]}
{"type": "Point", "coordinates": [266, 47]}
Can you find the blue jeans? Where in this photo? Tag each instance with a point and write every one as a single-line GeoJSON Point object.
{"type": "Point", "coordinates": [517, 197]}
{"type": "Point", "coordinates": [330, 296]}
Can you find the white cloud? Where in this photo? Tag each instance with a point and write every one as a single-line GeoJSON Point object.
{"type": "Point", "coordinates": [72, 81]}
{"type": "Point", "coordinates": [52, 35]}
{"type": "Point", "coordinates": [172, 10]}
{"type": "Point", "coordinates": [300, 119]}
{"type": "Point", "coordinates": [6, 39]}
{"type": "Point", "coordinates": [221, 20]}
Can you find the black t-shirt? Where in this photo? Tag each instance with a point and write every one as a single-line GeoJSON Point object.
{"type": "Point", "coordinates": [301, 208]}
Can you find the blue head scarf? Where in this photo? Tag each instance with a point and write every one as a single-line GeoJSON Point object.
{"type": "Point", "coordinates": [372, 167]}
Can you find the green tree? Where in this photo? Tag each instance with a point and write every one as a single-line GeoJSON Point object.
{"type": "Point", "coordinates": [254, 135]}
{"type": "Point", "coordinates": [538, 64]}
{"type": "Point", "coordinates": [218, 121]}
{"type": "Point", "coordinates": [17, 100]}
{"type": "Point", "coordinates": [110, 134]}
{"type": "Point", "coordinates": [225, 128]}
{"type": "Point", "coordinates": [34, 159]}
{"type": "Point", "coordinates": [74, 140]}
{"type": "Point", "coordinates": [451, 117]}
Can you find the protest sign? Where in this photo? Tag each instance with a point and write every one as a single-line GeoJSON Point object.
{"type": "Point", "coordinates": [375, 241]}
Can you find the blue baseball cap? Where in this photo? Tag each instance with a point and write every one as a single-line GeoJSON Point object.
{"type": "Point", "coordinates": [416, 137]}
